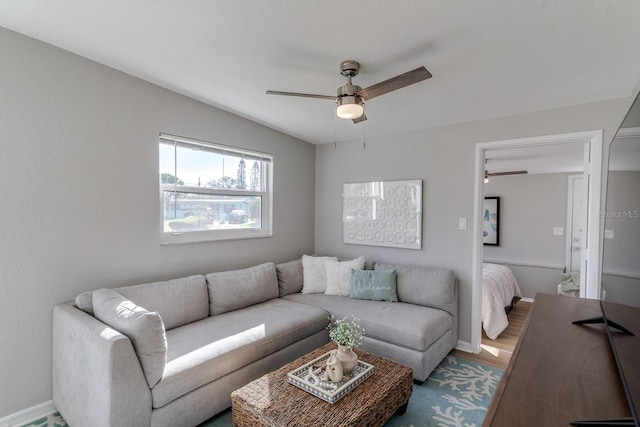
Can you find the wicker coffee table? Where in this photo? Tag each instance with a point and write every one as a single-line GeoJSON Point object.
{"type": "Point", "coordinates": [272, 401]}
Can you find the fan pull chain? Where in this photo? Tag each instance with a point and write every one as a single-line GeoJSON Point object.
{"type": "Point", "coordinates": [335, 122]}
{"type": "Point", "coordinates": [364, 136]}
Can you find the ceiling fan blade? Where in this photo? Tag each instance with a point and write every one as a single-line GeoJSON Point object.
{"type": "Point", "coordinates": [360, 119]}
{"type": "Point", "coordinates": [507, 173]}
{"type": "Point", "coordinates": [395, 83]}
{"type": "Point", "coordinates": [304, 95]}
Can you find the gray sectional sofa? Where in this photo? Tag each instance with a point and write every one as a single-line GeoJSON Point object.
{"type": "Point", "coordinates": [170, 353]}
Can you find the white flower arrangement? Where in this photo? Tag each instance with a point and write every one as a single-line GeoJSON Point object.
{"type": "Point", "coordinates": [344, 332]}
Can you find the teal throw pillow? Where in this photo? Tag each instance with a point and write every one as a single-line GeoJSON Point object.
{"type": "Point", "coordinates": [377, 285]}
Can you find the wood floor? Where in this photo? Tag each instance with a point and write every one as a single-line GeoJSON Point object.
{"type": "Point", "coordinates": [498, 352]}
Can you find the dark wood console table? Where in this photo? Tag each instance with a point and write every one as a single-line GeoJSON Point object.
{"type": "Point", "coordinates": [561, 372]}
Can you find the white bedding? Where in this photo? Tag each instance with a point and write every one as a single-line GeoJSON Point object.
{"type": "Point", "coordinates": [499, 286]}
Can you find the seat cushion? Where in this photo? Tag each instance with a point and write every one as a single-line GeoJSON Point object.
{"type": "Point", "coordinates": [204, 351]}
{"type": "Point", "coordinates": [406, 325]}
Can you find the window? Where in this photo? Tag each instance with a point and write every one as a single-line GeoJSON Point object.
{"type": "Point", "coordinates": [213, 192]}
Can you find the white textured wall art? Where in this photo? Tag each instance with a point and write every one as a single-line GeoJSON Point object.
{"type": "Point", "coordinates": [383, 213]}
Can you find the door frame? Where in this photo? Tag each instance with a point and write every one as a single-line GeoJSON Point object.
{"type": "Point", "coordinates": [593, 169]}
{"type": "Point", "coordinates": [570, 219]}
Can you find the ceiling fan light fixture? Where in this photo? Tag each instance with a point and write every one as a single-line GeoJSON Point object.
{"type": "Point", "coordinates": [350, 107]}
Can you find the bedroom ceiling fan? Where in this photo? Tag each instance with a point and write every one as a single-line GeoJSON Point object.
{"type": "Point", "coordinates": [488, 174]}
{"type": "Point", "coordinates": [350, 98]}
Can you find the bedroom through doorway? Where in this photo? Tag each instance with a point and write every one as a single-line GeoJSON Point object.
{"type": "Point", "coordinates": [521, 174]}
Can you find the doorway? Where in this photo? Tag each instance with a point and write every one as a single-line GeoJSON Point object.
{"type": "Point", "coordinates": [589, 261]}
{"type": "Point", "coordinates": [576, 218]}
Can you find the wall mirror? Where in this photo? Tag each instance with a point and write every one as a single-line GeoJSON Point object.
{"type": "Point", "coordinates": [621, 254]}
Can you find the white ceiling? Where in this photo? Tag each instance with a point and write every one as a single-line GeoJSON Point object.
{"type": "Point", "coordinates": [488, 58]}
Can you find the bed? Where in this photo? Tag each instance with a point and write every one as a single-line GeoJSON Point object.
{"type": "Point", "coordinates": [500, 291]}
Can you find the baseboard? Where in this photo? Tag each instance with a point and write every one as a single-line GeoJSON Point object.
{"type": "Point", "coordinates": [464, 346]}
{"type": "Point", "coordinates": [28, 415]}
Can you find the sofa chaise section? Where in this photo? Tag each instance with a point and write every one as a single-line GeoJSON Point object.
{"type": "Point", "coordinates": [216, 342]}
{"type": "Point", "coordinates": [419, 330]}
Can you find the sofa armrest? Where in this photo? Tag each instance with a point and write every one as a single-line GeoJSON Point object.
{"type": "Point", "coordinates": [97, 378]}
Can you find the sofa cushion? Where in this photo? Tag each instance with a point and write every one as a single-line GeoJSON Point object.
{"type": "Point", "coordinates": [178, 301]}
{"type": "Point", "coordinates": [377, 285]}
{"type": "Point", "coordinates": [427, 286]}
{"type": "Point", "coordinates": [314, 274]}
{"type": "Point", "coordinates": [144, 329]}
{"type": "Point", "coordinates": [339, 275]}
{"type": "Point", "coordinates": [232, 290]}
{"type": "Point", "coordinates": [289, 277]}
{"type": "Point", "coordinates": [204, 351]}
{"type": "Point", "coordinates": [406, 325]}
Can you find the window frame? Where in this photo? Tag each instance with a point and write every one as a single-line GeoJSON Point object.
{"type": "Point", "coordinates": [266, 194]}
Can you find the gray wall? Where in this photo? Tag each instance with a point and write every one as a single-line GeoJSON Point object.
{"type": "Point", "coordinates": [530, 206]}
{"type": "Point", "coordinates": [621, 256]}
{"type": "Point", "coordinates": [444, 159]}
{"type": "Point", "coordinates": [633, 117]}
{"type": "Point", "coordinates": [79, 196]}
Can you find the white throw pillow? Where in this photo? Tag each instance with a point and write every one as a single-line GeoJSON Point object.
{"type": "Point", "coordinates": [144, 328]}
{"type": "Point", "coordinates": [314, 276]}
{"type": "Point", "coordinates": [339, 275]}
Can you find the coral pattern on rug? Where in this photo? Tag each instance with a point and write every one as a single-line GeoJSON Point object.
{"type": "Point", "coordinates": [51, 420]}
{"type": "Point", "coordinates": [456, 394]}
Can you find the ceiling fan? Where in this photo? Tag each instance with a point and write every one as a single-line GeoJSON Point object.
{"type": "Point", "coordinates": [350, 98]}
{"type": "Point", "coordinates": [488, 174]}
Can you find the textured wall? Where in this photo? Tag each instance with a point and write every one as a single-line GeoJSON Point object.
{"type": "Point", "coordinates": [79, 196]}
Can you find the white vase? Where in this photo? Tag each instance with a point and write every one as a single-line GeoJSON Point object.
{"type": "Point", "coordinates": [348, 358]}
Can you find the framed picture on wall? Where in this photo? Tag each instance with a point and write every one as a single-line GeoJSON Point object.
{"type": "Point", "coordinates": [491, 221]}
{"type": "Point", "coordinates": [383, 213]}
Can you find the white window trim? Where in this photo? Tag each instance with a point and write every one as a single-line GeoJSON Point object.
{"type": "Point", "coordinates": [169, 238]}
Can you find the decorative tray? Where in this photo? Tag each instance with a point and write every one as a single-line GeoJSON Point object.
{"type": "Point", "coordinates": [310, 379]}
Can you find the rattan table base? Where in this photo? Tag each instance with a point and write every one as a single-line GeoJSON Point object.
{"type": "Point", "coordinates": [272, 401]}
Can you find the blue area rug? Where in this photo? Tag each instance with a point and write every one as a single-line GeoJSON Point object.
{"type": "Point", "coordinates": [456, 394]}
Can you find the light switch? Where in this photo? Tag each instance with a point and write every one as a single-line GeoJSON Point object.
{"type": "Point", "coordinates": [608, 234]}
{"type": "Point", "coordinates": [462, 223]}
{"type": "Point", "coordinates": [558, 231]}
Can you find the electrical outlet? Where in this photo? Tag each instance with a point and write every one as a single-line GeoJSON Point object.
{"type": "Point", "coordinates": [608, 234]}
{"type": "Point", "coordinates": [558, 231]}
{"type": "Point", "coordinates": [462, 223]}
